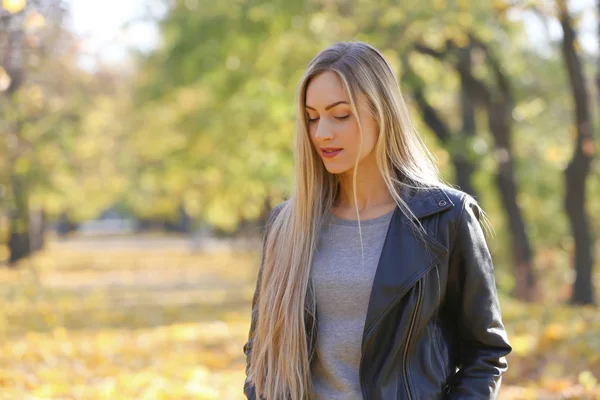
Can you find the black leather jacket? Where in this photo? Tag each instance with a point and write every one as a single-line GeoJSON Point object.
{"type": "Point", "coordinates": [433, 328]}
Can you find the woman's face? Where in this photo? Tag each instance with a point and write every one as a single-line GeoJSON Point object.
{"type": "Point", "coordinates": [334, 129]}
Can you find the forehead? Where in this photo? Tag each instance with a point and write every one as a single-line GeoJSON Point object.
{"type": "Point", "coordinates": [324, 89]}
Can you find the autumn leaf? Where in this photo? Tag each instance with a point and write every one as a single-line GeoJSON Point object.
{"type": "Point", "coordinates": [14, 6]}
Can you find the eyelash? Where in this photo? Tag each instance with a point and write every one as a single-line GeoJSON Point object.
{"type": "Point", "coordinates": [340, 118]}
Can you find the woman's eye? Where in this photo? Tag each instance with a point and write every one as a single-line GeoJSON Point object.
{"type": "Point", "coordinates": [316, 119]}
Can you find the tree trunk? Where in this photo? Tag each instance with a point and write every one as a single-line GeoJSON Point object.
{"type": "Point", "coordinates": [463, 164]}
{"type": "Point", "coordinates": [18, 242]}
{"type": "Point", "coordinates": [37, 229]}
{"type": "Point", "coordinates": [525, 282]}
{"type": "Point", "coordinates": [578, 169]}
{"type": "Point", "coordinates": [184, 222]}
{"type": "Point", "coordinates": [12, 61]}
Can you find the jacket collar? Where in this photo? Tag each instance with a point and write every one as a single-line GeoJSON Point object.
{"type": "Point", "coordinates": [427, 201]}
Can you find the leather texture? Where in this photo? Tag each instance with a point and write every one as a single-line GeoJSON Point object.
{"type": "Point", "coordinates": [433, 328]}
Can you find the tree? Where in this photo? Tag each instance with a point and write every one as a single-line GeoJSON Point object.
{"type": "Point", "coordinates": [61, 126]}
{"type": "Point", "coordinates": [20, 38]}
{"type": "Point", "coordinates": [453, 141]}
{"type": "Point", "coordinates": [221, 110]}
{"type": "Point", "coordinates": [498, 103]}
{"type": "Point", "coordinates": [578, 169]}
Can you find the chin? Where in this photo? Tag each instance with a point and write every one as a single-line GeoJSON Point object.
{"type": "Point", "coordinates": [335, 169]}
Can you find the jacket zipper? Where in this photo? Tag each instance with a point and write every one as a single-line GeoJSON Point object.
{"type": "Point", "coordinates": [362, 383]}
{"type": "Point", "coordinates": [412, 323]}
{"type": "Point", "coordinates": [367, 334]}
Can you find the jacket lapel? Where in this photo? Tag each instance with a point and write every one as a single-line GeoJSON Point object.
{"type": "Point", "coordinates": [405, 258]}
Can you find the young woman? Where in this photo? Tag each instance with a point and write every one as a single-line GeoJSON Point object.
{"type": "Point", "coordinates": [376, 281]}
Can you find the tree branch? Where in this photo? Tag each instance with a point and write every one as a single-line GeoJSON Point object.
{"type": "Point", "coordinates": [501, 78]}
{"type": "Point", "coordinates": [428, 113]}
{"type": "Point", "coordinates": [475, 86]}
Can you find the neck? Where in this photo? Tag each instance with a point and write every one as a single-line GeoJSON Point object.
{"type": "Point", "coordinates": [371, 191]}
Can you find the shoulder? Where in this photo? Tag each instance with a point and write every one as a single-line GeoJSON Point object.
{"type": "Point", "coordinates": [275, 211]}
{"type": "Point", "coordinates": [461, 202]}
{"type": "Point", "coordinates": [463, 213]}
{"type": "Point", "coordinates": [457, 197]}
{"type": "Point", "coordinates": [467, 221]}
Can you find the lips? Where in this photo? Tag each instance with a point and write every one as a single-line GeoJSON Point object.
{"type": "Point", "coordinates": [330, 152]}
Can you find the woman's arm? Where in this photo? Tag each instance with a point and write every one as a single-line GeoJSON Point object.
{"type": "Point", "coordinates": [481, 354]}
{"type": "Point", "coordinates": [249, 390]}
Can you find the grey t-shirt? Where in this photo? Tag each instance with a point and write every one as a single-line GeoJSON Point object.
{"type": "Point", "coordinates": [342, 287]}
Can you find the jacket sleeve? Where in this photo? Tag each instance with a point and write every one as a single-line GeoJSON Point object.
{"type": "Point", "coordinates": [482, 340]}
{"type": "Point", "coordinates": [249, 389]}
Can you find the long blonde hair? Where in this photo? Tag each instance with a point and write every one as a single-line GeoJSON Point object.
{"type": "Point", "coordinates": [279, 363]}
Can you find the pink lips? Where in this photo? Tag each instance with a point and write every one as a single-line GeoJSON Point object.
{"type": "Point", "coordinates": [330, 152]}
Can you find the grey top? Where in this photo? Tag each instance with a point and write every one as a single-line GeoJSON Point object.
{"type": "Point", "coordinates": [342, 286]}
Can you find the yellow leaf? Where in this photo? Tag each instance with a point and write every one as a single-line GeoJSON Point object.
{"type": "Point", "coordinates": [4, 80]}
{"type": "Point", "coordinates": [553, 154]}
{"type": "Point", "coordinates": [14, 6]}
{"type": "Point", "coordinates": [35, 20]}
{"type": "Point", "coordinates": [555, 331]}
{"type": "Point", "coordinates": [523, 344]}
{"type": "Point", "coordinates": [587, 380]}
{"type": "Point", "coordinates": [559, 386]}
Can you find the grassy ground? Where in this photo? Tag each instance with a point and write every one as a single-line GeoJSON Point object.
{"type": "Point", "coordinates": [157, 321]}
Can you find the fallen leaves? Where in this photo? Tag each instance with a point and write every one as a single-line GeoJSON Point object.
{"type": "Point", "coordinates": [160, 333]}
{"type": "Point", "coordinates": [556, 351]}
{"type": "Point", "coordinates": [170, 324]}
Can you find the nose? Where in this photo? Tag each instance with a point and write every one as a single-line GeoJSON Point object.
{"type": "Point", "coordinates": [322, 131]}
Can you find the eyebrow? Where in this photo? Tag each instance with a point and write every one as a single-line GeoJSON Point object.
{"type": "Point", "coordinates": [329, 106]}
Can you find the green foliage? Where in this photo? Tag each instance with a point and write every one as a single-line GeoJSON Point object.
{"type": "Point", "coordinates": [58, 123]}
{"type": "Point", "coordinates": [217, 99]}
{"type": "Point", "coordinates": [224, 81]}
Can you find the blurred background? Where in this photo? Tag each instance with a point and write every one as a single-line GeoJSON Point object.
{"type": "Point", "coordinates": [143, 144]}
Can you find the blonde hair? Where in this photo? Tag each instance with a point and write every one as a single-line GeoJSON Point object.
{"type": "Point", "coordinates": [279, 361]}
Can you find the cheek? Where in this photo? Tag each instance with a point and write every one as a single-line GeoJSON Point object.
{"type": "Point", "coordinates": [370, 133]}
{"type": "Point", "coordinates": [351, 135]}
{"type": "Point", "coordinates": [369, 139]}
